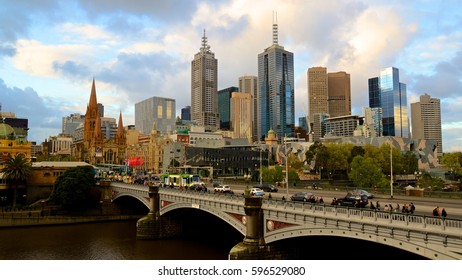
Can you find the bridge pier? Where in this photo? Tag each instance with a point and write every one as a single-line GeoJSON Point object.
{"type": "Point", "coordinates": [153, 226]}
{"type": "Point", "coordinates": [253, 246]}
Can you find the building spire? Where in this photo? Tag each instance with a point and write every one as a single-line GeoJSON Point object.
{"type": "Point", "coordinates": [120, 131]}
{"type": "Point", "coordinates": [275, 28]}
{"type": "Point", "coordinates": [205, 48]}
{"type": "Point", "coordinates": [93, 103]}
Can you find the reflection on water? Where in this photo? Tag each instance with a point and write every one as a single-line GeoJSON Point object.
{"type": "Point", "coordinates": [206, 241]}
{"type": "Point", "coordinates": [100, 241]}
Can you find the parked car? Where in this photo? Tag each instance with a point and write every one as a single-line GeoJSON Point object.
{"type": "Point", "coordinates": [303, 196]}
{"type": "Point", "coordinates": [267, 187]}
{"type": "Point", "coordinates": [257, 192]}
{"type": "Point", "coordinates": [363, 192]}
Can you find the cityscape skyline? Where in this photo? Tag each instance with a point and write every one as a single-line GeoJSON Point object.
{"type": "Point", "coordinates": [139, 50]}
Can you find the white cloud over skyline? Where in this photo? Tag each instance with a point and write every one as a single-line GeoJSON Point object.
{"type": "Point", "coordinates": [51, 50]}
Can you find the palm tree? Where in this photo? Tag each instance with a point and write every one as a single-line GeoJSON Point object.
{"type": "Point", "coordinates": [16, 170]}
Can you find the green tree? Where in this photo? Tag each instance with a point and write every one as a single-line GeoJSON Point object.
{"type": "Point", "coordinates": [366, 173]}
{"type": "Point", "coordinates": [72, 189]}
{"type": "Point", "coordinates": [453, 162]}
{"type": "Point", "coordinates": [16, 170]}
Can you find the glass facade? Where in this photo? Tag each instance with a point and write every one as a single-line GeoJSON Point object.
{"type": "Point", "coordinates": [224, 97]}
{"type": "Point", "coordinates": [388, 93]}
{"type": "Point", "coordinates": [155, 110]}
{"type": "Point", "coordinates": [276, 92]}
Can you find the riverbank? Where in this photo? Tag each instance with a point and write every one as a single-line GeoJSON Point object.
{"type": "Point", "coordinates": [34, 218]}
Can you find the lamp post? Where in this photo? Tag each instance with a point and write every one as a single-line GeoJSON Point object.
{"type": "Point", "coordinates": [391, 172]}
{"type": "Point", "coordinates": [261, 175]}
{"type": "Point", "coordinates": [287, 167]}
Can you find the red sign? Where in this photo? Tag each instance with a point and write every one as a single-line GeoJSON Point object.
{"type": "Point", "coordinates": [135, 161]}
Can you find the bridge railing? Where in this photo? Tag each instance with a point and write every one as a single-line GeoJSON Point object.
{"type": "Point", "coordinates": [362, 215]}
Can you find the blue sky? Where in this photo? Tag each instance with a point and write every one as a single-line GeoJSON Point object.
{"type": "Point", "coordinates": [51, 50]}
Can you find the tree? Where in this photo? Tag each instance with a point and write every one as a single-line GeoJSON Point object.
{"type": "Point", "coordinates": [453, 162]}
{"type": "Point", "coordinates": [366, 173]}
{"type": "Point", "coordinates": [16, 170]}
{"type": "Point", "coordinates": [72, 189]}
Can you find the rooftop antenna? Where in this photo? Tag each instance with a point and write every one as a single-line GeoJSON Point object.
{"type": "Point", "coordinates": [275, 28]}
{"type": "Point", "coordinates": [205, 47]}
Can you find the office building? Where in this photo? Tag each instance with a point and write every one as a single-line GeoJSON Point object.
{"type": "Point", "coordinates": [158, 111]}
{"type": "Point", "coordinates": [328, 93]}
{"type": "Point", "coordinates": [204, 99]}
{"type": "Point", "coordinates": [186, 113]}
{"type": "Point", "coordinates": [70, 123]}
{"type": "Point", "coordinates": [426, 120]}
{"type": "Point", "coordinates": [224, 98]}
{"type": "Point", "coordinates": [241, 115]}
{"type": "Point", "coordinates": [317, 92]}
{"type": "Point", "coordinates": [339, 94]}
{"type": "Point", "coordinates": [388, 93]}
{"type": "Point", "coordinates": [372, 122]}
{"type": "Point", "coordinates": [276, 90]}
{"type": "Point", "coordinates": [249, 84]}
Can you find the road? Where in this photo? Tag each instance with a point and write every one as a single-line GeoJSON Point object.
{"type": "Point", "coordinates": [424, 205]}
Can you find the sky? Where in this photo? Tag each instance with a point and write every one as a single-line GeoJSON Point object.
{"type": "Point", "coordinates": [51, 50]}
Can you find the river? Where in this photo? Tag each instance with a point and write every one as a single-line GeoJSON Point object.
{"type": "Point", "coordinates": [117, 241]}
{"type": "Point", "coordinates": [101, 241]}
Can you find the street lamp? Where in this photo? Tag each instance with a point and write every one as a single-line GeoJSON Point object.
{"type": "Point", "coordinates": [261, 175]}
{"type": "Point", "coordinates": [391, 172]}
{"type": "Point", "coordinates": [287, 166]}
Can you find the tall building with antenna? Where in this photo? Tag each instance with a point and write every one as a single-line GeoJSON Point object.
{"type": "Point", "coordinates": [204, 96]}
{"type": "Point", "coordinates": [276, 93]}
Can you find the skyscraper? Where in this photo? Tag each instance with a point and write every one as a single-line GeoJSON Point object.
{"type": "Point", "coordinates": [328, 93]}
{"type": "Point", "coordinates": [276, 90]}
{"type": "Point", "coordinates": [241, 115]}
{"type": "Point", "coordinates": [317, 91]}
{"type": "Point", "coordinates": [155, 110]}
{"type": "Point", "coordinates": [426, 120]}
{"type": "Point", "coordinates": [388, 93]}
{"type": "Point", "coordinates": [249, 84]}
{"type": "Point", "coordinates": [339, 94]}
{"type": "Point", "coordinates": [204, 100]}
{"type": "Point", "coordinates": [224, 98]}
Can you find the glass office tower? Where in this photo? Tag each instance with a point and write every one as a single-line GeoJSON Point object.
{"type": "Point", "coordinates": [388, 93]}
{"type": "Point", "coordinates": [276, 90]}
{"type": "Point", "coordinates": [224, 97]}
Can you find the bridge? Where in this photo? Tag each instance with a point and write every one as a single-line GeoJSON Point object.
{"type": "Point", "coordinates": [263, 221]}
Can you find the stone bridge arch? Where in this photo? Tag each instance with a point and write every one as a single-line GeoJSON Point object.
{"type": "Point", "coordinates": [223, 216]}
{"type": "Point", "coordinates": [143, 200]}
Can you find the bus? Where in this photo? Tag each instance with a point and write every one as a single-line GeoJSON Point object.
{"type": "Point", "coordinates": [180, 180]}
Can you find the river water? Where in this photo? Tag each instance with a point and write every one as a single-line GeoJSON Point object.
{"type": "Point", "coordinates": [101, 241]}
{"type": "Point", "coordinates": [204, 241]}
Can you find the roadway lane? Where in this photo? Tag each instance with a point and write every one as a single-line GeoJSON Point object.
{"type": "Point", "coordinates": [424, 205]}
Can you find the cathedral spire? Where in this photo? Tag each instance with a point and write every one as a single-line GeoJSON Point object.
{"type": "Point", "coordinates": [93, 103]}
{"type": "Point", "coordinates": [120, 131]}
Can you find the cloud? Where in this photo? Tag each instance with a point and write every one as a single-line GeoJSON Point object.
{"type": "Point", "coordinates": [43, 116]}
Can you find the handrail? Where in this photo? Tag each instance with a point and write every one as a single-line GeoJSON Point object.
{"type": "Point", "coordinates": [351, 214]}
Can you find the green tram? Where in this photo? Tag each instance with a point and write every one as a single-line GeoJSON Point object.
{"type": "Point", "coordinates": [180, 180]}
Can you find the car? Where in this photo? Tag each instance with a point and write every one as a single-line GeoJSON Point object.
{"type": "Point", "coordinates": [223, 189]}
{"type": "Point", "coordinates": [257, 192]}
{"type": "Point", "coordinates": [303, 196]}
{"type": "Point", "coordinates": [363, 192]}
{"type": "Point", "coordinates": [353, 200]}
{"type": "Point", "coordinates": [267, 187]}
{"type": "Point", "coordinates": [200, 187]}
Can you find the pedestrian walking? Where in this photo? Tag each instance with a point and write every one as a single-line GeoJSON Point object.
{"type": "Point", "coordinates": [443, 213]}
{"type": "Point", "coordinates": [436, 211]}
